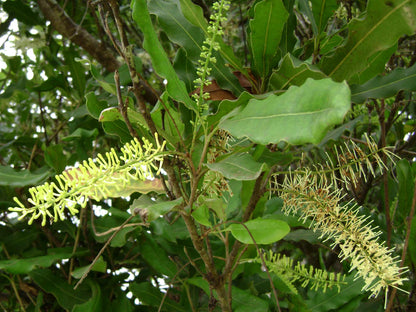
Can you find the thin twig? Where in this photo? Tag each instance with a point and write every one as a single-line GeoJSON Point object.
{"type": "Point", "coordinates": [102, 250]}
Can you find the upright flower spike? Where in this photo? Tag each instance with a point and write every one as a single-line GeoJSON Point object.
{"type": "Point", "coordinates": [209, 46]}
{"type": "Point", "coordinates": [98, 179]}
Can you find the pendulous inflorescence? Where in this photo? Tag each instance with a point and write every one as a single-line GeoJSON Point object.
{"type": "Point", "coordinates": [341, 223]}
{"type": "Point", "coordinates": [97, 178]}
{"type": "Point", "coordinates": [318, 195]}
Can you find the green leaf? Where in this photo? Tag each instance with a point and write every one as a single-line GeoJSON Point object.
{"type": "Point", "coordinates": [52, 83]}
{"type": "Point", "coordinates": [156, 256]}
{"type": "Point", "coordinates": [13, 178]}
{"type": "Point", "coordinates": [265, 33]}
{"type": "Point", "coordinates": [194, 14]}
{"type": "Point", "coordinates": [160, 61]}
{"type": "Point", "coordinates": [301, 115]}
{"type": "Point", "coordinates": [107, 223]}
{"type": "Point", "coordinates": [22, 12]}
{"type": "Point", "coordinates": [94, 106]}
{"type": "Point", "coordinates": [110, 87]}
{"type": "Point", "coordinates": [412, 241]}
{"type": "Point", "coordinates": [81, 133]}
{"type": "Point", "coordinates": [332, 299]}
{"type": "Point", "coordinates": [118, 128]}
{"type": "Point", "coordinates": [293, 72]}
{"type": "Point", "coordinates": [385, 86]}
{"type": "Point", "coordinates": [153, 209]}
{"type": "Point", "coordinates": [185, 69]}
{"type": "Point", "coordinates": [54, 157]}
{"type": "Point", "coordinates": [322, 10]}
{"type": "Point", "coordinates": [191, 38]}
{"type": "Point", "coordinates": [376, 65]}
{"type": "Point", "coordinates": [99, 266]}
{"type": "Point", "coordinates": [384, 24]}
{"type": "Point", "coordinates": [65, 294]}
{"type": "Point", "coordinates": [151, 296]}
{"type": "Point", "coordinates": [227, 106]}
{"type": "Point", "coordinates": [113, 113]}
{"type": "Point", "coordinates": [288, 40]}
{"type": "Point", "coordinates": [201, 215]}
{"type": "Point", "coordinates": [244, 301]}
{"type": "Point", "coordinates": [24, 266]}
{"type": "Point", "coordinates": [406, 183]}
{"type": "Point", "coordinates": [263, 231]}
{"type": "Point", "coordinates": [94, 303]}
{"type": "Point", "coordinates": [77, 73]}
{"type": "Point", "coordinates": [238, 167]}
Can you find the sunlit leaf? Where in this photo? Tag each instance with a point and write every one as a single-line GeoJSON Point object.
{"type": "Point", "coordinates": [301, 115]}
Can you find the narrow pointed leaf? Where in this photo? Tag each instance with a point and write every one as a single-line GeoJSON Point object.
{"type": "Point", "coordinates": [322, 10]}
{"type": "Point", "coordinates": [384, 23]}
{"type": "Point", "coordinates": [385, 86]}
{"type": "Point", "coordinates": [65, 294]}
{"type": "Point", "coordinates": [301, 115]}
{"type": "Point", "coordinates": [265, 33]}
{"type": "Point", "coordinates": [160, 60]}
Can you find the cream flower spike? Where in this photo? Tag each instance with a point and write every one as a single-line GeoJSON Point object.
{"type": "Point", "coordinates": [98, 179]}
{"type": "Point", "coordinates": [318, 200]}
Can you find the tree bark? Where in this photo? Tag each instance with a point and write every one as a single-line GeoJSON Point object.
{"type": "Point", "coordinates": [78, 35]}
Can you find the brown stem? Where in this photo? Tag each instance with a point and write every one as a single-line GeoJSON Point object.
{"type": "Point", "coordinates": [215, 280]}
{"type": "Point", "coordinates": [78, 35]}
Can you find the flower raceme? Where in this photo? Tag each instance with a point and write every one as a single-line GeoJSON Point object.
{"type": "Point", "coordinates": [103, 177]}
{"type": "Point", "coordinates": [316, 199]}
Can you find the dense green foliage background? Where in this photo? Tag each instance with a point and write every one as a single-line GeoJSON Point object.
{"type": "Point", "coordinates": [59, 106]}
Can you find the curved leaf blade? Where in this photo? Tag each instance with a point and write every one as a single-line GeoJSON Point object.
{"type": "Point", "coordinates": [293, 72]}
{"type": "Point", "coordinates": [62, 291]}
{"type": "Point", "coordinates": [301, 115]}
{"type": "Point", "coordinates": [160, 60]}
{"type": "Point", "coordinates": [385, 86]}
{"type": "Point", "coordinates": [263, 231]}
{"type": "Point", "coordinates": [385, 23]}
